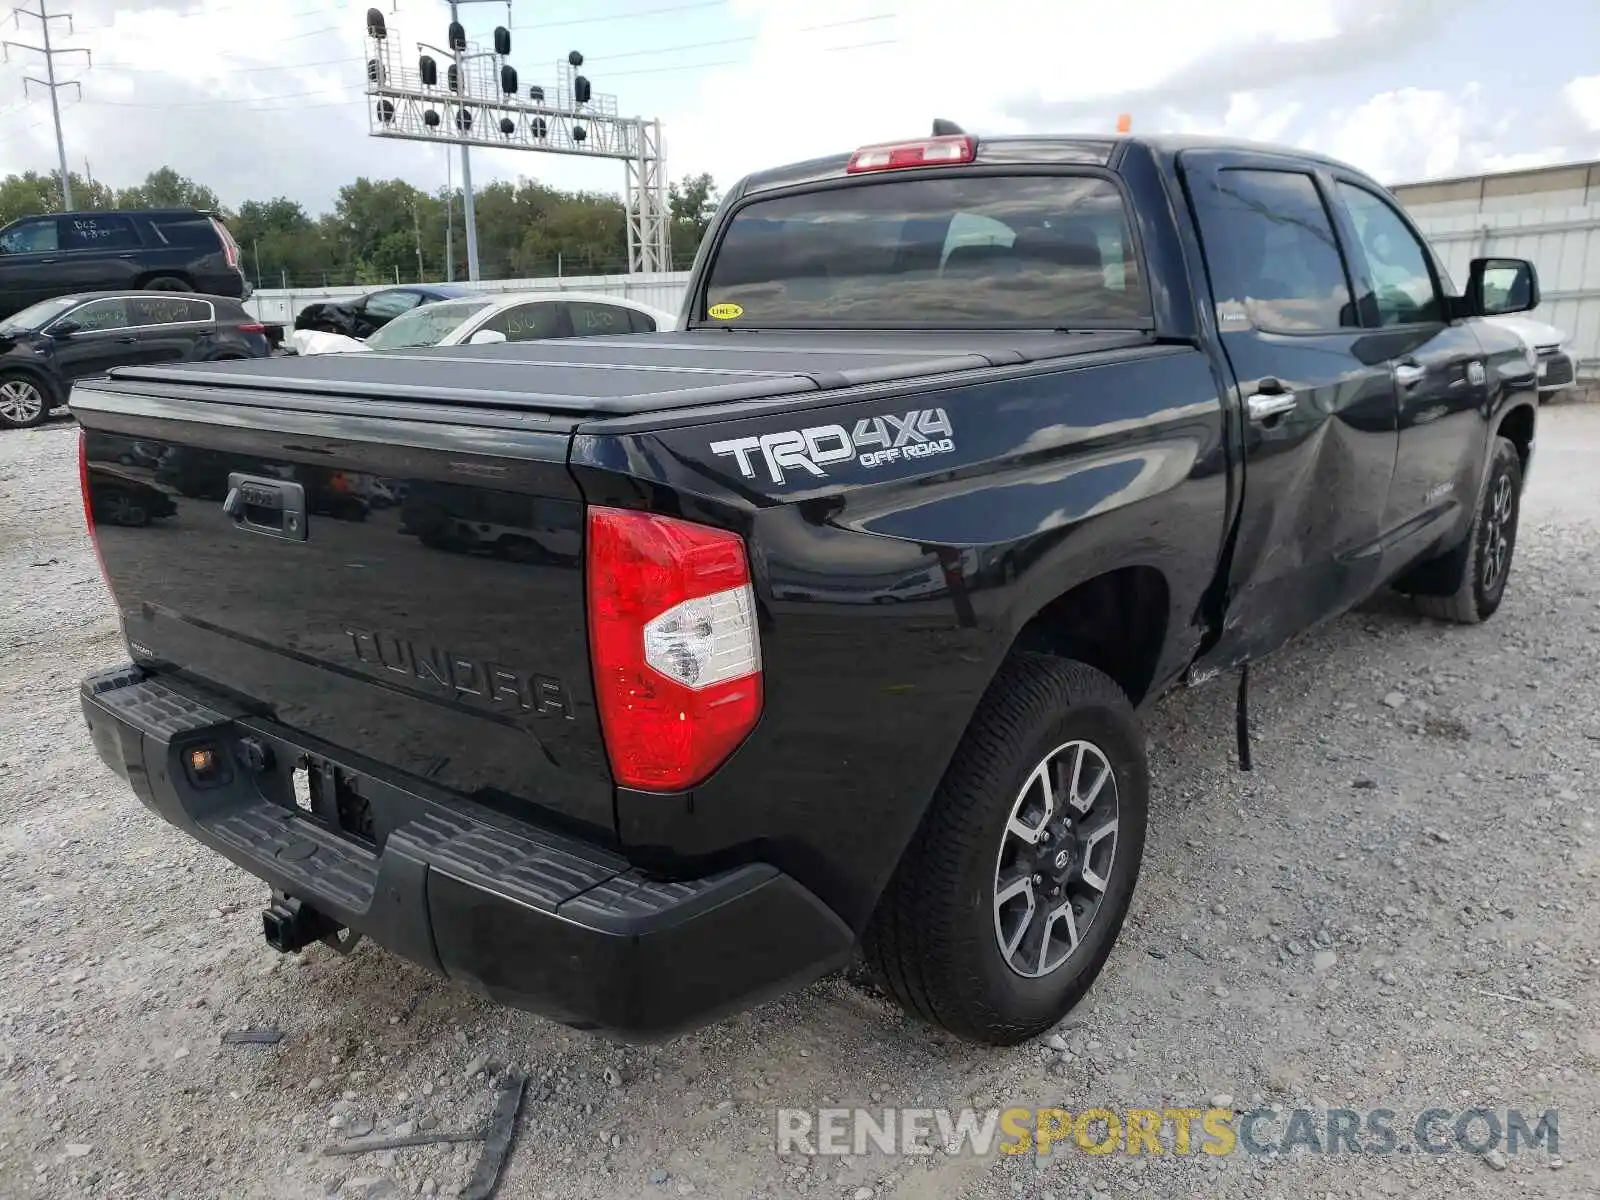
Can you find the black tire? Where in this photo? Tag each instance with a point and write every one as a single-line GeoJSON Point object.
{"type": "Point", "coordinates": [168, 283]}
{"type": "Point", "coordinates": [25, 400]}
{"type": "Point", "coordinates": [934, 943]}
{"type": "Point", "coordinates": [1481, 566]}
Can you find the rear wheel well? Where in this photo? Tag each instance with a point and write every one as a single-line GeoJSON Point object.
{"type": "Point", "coordinates": [1116, 623]}
{"type": "Point", "coordinates": [53, 394]}
{"type": "Point", "coordinates": [1517, 427]}
{"type": "Point", "coordinates": [150, 277]}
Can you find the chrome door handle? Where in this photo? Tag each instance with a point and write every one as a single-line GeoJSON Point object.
{"type": "Point", "coordinates": [1409, 374]}
{"type": "Point", "coordinates": [1263, 406]}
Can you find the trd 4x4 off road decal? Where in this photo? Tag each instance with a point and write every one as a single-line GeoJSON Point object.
{"type": "Point", "coordinates": [873, 442]}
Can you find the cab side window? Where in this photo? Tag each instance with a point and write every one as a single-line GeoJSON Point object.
{"type": "Point", "coordinates": [1404, 291]}
{"type": "Point", "coordinates": [1270, 246]}
{"type": "Point", "coordinates": [590, 319]}
{"type": "Point", "coordinates": [99, 315]}
{"type": "Point", "coordinates": [30, 237]}
{"type": "Point", "coordinates": [157, 309]}
{"type": "Point", "coordinates": [98, 233]}
{"type": "Point", "coordinates": [528, 322]}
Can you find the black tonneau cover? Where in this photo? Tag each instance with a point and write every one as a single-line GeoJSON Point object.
{"type": "Point", "coordinates": [629, 374]}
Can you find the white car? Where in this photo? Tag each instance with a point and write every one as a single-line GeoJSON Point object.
{"type": "Point", "coordinates": [503, 317]}
{"type": "Point", "coordinates": [1555, 365]}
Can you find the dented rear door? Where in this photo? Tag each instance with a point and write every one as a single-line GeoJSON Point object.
{"type": "Point", "coordinates": [1314, 408]}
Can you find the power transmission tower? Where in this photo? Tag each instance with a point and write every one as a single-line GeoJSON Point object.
{"type": "Point", "coordinates": [49, 82]}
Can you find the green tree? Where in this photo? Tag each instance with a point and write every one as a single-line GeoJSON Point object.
{"type": "Point", "coordinates": [165, 188]}
{"type": "Point", "coordinates": [32, 193]}
{"type": "Point", "coordinates": [693, 202]}
{"type": "Point", "coordinates": [378, 228]}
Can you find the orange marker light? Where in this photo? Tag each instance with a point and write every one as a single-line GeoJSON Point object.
{"type": "Point", "coordinates": [1125, 123]}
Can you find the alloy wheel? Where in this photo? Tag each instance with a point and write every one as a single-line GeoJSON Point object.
{"type": "Point", "coordinates": [1055, 859]}
{"type": "Point", "coordinates": [20, 401]}
{"type": "Point", "coordinates": [1498, 535]}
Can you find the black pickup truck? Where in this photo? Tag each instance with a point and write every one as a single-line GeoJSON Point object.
{"type": "Point", "coordinates": [631, 680]}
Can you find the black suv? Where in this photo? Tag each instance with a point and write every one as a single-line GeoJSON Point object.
{"type": "Point", "coordinates": [177, 250]}
{"type": "Point", "coordinates": [47, 346]}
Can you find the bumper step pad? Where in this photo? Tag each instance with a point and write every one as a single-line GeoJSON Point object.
{"type": "Point", "coordinates": [531, 917]}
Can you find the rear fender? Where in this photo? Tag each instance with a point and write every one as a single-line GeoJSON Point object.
{"type": "Point", "coordinates": [890, 589]}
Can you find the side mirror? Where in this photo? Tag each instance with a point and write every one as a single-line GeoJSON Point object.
{"type": "Point", "coordinates": [64, 329]}
{"type": "Point", "coordinates": [486, 337]}
{"type": "Point", "coordinates": [1497, 286]}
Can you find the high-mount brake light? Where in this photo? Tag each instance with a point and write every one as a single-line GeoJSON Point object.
{"type": "Point", "coordinates": [674, 646]}
{"type": "Point", "coordinates": [925, 152]}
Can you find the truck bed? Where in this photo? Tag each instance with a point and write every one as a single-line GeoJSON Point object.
{"type": "Point", "coordinates": [624, 375]}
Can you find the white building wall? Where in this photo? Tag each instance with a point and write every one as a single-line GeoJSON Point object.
{"type": "Point", "coordinates": [1563, 243]}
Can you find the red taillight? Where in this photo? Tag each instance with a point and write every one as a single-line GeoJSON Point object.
{"type": "Point", "coordinates": [251, 327]}
{"type": "Point", "coordinates": [229, 246]}
{"type": "Point", "coordinates": [88, 498]}
{"type": "Point", "coordinates": [674, 645]}
{"type": "Point", "coordinates": [929, 152]}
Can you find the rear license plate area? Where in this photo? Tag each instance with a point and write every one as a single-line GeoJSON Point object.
{"type": "Point", "coordinates": [332, 796]}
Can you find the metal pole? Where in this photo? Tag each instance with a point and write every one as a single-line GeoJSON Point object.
{"type": "Point", "coordinates": [470, 213]}
{"type": "Point", "coordinates": [449, 220]}
{"type": "Point", "coordinates": [55, 109]}
{"type": "Point", "coordinates": [416, 229]}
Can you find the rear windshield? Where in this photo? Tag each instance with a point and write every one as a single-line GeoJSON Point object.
{"type": "Point", "coordinates": [968, 251]}
{"type": "Point", "coordinates": [425, 326]}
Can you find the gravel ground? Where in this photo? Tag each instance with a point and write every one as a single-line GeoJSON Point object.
{"type": "Point", "coordinates": [1394, 910]}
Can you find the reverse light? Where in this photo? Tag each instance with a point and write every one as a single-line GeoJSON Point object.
{"type": "Point", "coordinates": [674, 646]}
{"type": "Point", "coordinates": [926, 152]}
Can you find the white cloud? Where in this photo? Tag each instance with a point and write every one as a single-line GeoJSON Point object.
{"type": "Point", "coordinates": [986, 67]}
{"type": "Point", "coordinates": [266, 99]}
{"type": "Point", "coordinates": [1583, 96]}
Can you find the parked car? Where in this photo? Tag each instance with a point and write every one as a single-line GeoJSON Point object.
{"type": "Point", "coordinates": [512, 317]}
{"type": "Point", "coordinates": [171, 250]}
{"type": "Point", "coordinates": [45, 348]}
{"type": "Point", "coordinates": [1142, 403]}
{"type": "Point", "coordinates": [1557, 367]}
{"type": "Point", "coordinates": [364, 315]}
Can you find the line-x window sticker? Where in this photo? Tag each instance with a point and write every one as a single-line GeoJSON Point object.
{"type": "Point", "coordinates": [873, 442]}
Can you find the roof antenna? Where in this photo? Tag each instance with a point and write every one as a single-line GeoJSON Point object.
{"type": "Point", "coordinates": [943, 128]}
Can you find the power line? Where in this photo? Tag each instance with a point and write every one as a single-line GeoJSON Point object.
{"type": "Point", "coordinates": [630, 16]}
{"type": "Point", "coordinates": [49, 53]}
{"type": "Point", "coordinates": [737, 62]}
{"type": "Point", "coordinates": [266, 103]}
{"type": "Point", "coordinates": [326, 62]}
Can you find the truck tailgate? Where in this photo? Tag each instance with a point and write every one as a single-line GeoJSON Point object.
{"type": "Point", "coordinates": [411, 591]}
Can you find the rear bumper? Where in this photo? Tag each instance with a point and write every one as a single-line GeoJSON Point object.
{"type": "Point", "coordinates": [530, 918]}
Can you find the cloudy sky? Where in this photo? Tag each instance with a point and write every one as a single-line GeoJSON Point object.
{"type": "Point", "coordinates": [259, 98]}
